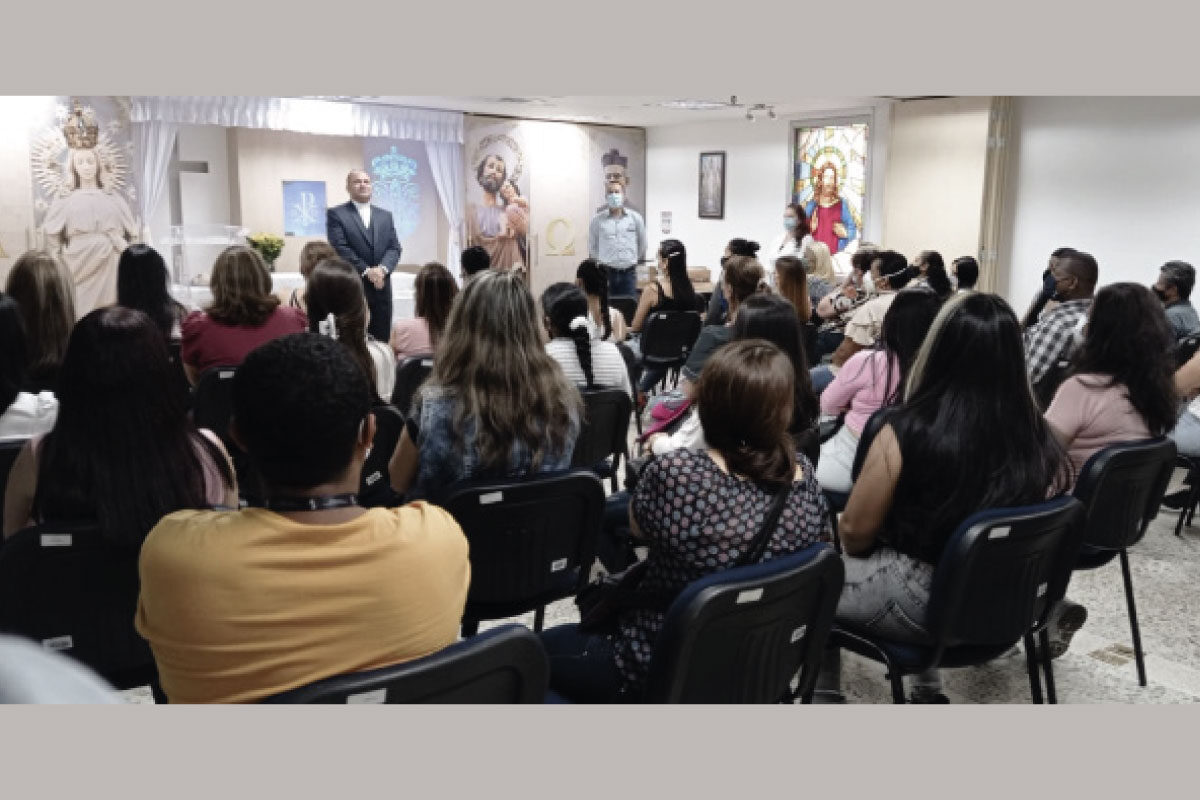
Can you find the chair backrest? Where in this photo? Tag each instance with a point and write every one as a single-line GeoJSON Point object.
{"type": "Point", "coordinates": [376, 486]}
{"type": "Point", "coordinates": [410, 374]}
{"type": "Point", "coordinates": [1000, 570]}
{"type": "Point", "coordinates": [212, 401]}
{"type": "Point", "coordinates": [741, 635]}
{"type": "Point", "coordinates": [1121, 488]}
{"type": "Point", "coordinates": [668, 337]}
{"type": "Point", "coordinates": [501, 665]}
{"type": "Point", "coordinates": [212, 408]}
{"type": "Point", "coordinates": [605, 428]}
{"type": "Point", "coordinates": [71, 589]}
{"type": "Point", "coordinates": [626, 304]}
{"type": "Point", "coordinates": [1185, 348]}
{"type": "Point", "coordinates": [525, 533]}
{"type": "Point", "coordinates": [9, 450]}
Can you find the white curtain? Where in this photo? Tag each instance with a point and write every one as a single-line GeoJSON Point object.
{"type": "Point", "coordinates": [304, 116]}
{"type": "Point", "coordinates": [154, 141]}
{"type": "Point", "coordinates": [446, 166]}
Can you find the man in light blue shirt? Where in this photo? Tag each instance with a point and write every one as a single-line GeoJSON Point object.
{"type": "Point", "coordinates": [617, 239]}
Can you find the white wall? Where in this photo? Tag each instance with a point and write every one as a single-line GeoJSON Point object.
{"type": "Point", "coordinates": [758, 164]}
{"type": "Point", "coordinates": [1116, 177]}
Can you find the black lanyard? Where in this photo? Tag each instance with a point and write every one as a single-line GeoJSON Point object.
{"type": "Point", "coordinates": [285, 505]}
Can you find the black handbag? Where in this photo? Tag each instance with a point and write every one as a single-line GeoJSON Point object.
{"type": "Point", "coordinates": [602, 602]}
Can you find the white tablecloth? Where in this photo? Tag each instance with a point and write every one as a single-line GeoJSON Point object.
{"type": "Point", "coordinates": [282, 284]}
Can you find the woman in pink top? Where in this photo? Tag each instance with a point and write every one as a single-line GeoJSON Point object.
{"type": "Point", "coordinates": [1121, 389]}
{"type": "Point", "coordinates": [870, 380]}
{"type": "Point", "coordinates": [435, 291]}
{"type": "Point", "coordinates": [243, 314]}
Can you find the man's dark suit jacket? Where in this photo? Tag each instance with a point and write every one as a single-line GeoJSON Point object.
{"type": "Point", "coordinates": [364, 248]}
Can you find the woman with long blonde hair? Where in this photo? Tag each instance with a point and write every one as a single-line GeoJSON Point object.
{"type": "Point", "coordinates": [495, 405]}
{"type": "Point", "coordinates": [243, 314]}
{"type": "Point", "coordinates": [41, 287]}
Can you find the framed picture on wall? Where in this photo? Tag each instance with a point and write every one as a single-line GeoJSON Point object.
{"type": "Point", "coordinates": [304, 208]}
{"type": "Point", "coordinates": [712, 185]}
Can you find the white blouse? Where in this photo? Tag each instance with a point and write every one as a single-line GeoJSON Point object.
{"type": "Point", "coordinates": [29, 415]}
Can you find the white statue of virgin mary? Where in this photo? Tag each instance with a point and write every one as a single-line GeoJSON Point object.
{"type": "Point", "coordinates": [88, 226]}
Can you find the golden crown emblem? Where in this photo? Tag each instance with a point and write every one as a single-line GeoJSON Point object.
{"type": "Point", "coordinates": [81, 129]}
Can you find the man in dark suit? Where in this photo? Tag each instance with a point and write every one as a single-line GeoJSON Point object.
{"type": "Point", "coordinates": [365, 235]}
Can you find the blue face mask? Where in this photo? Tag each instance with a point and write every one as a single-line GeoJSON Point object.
{"type": "Point", "coordinates": [789, 223]}
{"type": "Point", "coordinates": [616, 200]}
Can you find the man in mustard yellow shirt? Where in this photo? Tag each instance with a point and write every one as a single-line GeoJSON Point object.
{"type": "Point", "coordinates": [241, 605]}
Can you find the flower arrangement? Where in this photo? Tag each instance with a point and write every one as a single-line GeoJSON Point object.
{"type": "Point", "coordinates": [268, 245]}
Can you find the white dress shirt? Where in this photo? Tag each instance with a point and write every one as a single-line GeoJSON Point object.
{"type": "Point", "coordinates": [364, 211]}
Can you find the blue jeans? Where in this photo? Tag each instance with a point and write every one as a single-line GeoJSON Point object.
{"type": "Point", "coordinates": [582, 667]}
{"type": "Point", "coordinates": [821, 376]}
{"type": "Point", "coordinates": [622, 282]}
{"type": "Point", "coordinates": [1187, 434]}
{"type": "Point", "coordinates": [885, 593]}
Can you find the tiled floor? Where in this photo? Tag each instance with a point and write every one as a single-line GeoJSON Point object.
{"type": "Point", "coordinates": [1166, 574]}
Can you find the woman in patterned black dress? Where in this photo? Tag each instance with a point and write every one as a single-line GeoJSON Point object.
{"type": "Point", "coordinates": [696, 509]}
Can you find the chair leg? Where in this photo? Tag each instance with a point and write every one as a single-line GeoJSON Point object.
{"type": "Point", "coordinates": [1133, 624]}
{"type": "Point", "coordinates": [1031, 663]}
{"type": "Point", "coordinates": [1048, 667]}
{"type": "Point", "coordinates": [539, 619]}
{"type": "Point", "coordinates": [897, 680]}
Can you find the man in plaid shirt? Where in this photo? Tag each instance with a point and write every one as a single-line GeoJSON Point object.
{"type": "Point", "coordinates": [1071, 280]}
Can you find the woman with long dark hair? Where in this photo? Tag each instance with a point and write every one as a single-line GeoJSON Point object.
{"type": "Point", "coordinates": [22, 414]}
{"type": "Point", "coordinates": [123, 452]}
{"type": "Point", "coordinates": [592, 278]}
{"type": "Point", "coordinates": [871, 380]}
{"type": "Point", "coordinates": [745, 398]}
{"type": "Point", "coordinates": [791, 280]}
{"type": "Point", "coordinates": [434, 291]}
{"type": "Point", "coordinates": [142, 285]}
{"type": "Point", "coordinates": [967, 437]}
{"type": "Point", "coordinates": [1121, 388]}
{"type": "Point", "coordinates": [337, 307]}
{"type": "Point", "coordinates": [932, 275]}
{"type": "Point", "coordinates": [495, 405]}
{"type": "Point", "coordinates": [794, 237]}
{"type": "Point", "coordinates": [676, 295]}
{"type": "Point", "coordinates": [587, 361]}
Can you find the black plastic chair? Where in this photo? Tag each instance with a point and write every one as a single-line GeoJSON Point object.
{"type": "Point", "coordinates": [1121, 488]}
{"type": "Point", "coordinates": [410, 374]}
{"type": "Point", "coordinates": [1192, 496]}
{"type": "Point", "coordinates": [837, 500]}
{"type": "Point", "coordinates": [743, 635]}
{"type": "Point", "coordinates": [376, 489]}
{"type": "Point", "coordinates": [9, 450]}
{"type": "Point", "coordinates": [533, 541]}
{"type": "Point", "coordinates": [993, 587]}
{"type": "Point", "coordinates": [626, 304]}
{"type": "Point", "coordinates": [667, 340]}
{"type": "Point", "coordinates": [212, 408]}
{"type": "Point", "coordinates": [604, 435]}
{"type": "Point", "coordinates": [1185, 348]}
{"type": "Point", "coordinates": [71, 589]}
{"type": "Point", "coordinates": [501, 665]}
